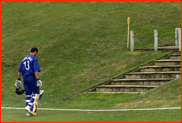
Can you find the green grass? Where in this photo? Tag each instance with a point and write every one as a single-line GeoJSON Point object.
{"type": "Point", "coordinates": [81, 44]}
{"type": "Point", "coordinates": [72, 116]}
{"type": "Point", "coordinates": [167, 95]}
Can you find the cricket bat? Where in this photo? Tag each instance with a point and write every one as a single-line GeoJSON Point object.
{"type": "Point", "coordinates": [36, 100]}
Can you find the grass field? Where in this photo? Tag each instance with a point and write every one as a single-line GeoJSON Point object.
{"type": "Point", "coordinates": [81, 44]}
{"type": "Point", "coordinates": [168, 95]}
{"type": "Point", "coordinates": [71, 116]}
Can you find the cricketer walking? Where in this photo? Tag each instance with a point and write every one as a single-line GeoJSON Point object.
{"type": "Point", "coordinates": [30, 68]}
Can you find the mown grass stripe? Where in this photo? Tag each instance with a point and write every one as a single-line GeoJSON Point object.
{"type": "Point", "coordinates": [144, 109]}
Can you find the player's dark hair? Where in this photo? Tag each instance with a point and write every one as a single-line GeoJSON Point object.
{"type": "Point", "coordinates": [34, 49]}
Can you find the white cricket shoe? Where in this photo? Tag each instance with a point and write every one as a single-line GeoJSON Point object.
{"type": "Point", "coordinates": [27, 108]}
{"type": "Point", "coordinates": [28, 114]}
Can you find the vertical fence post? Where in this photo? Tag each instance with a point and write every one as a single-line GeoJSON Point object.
{"type": "Point", "coordinates": [179, 38]}
{"type": "Point", "coordinates": [131, 41]}
{"type": "Point", "coordinates": [176, 35]}
{"type": "Point", "coordinates": [155, 40]}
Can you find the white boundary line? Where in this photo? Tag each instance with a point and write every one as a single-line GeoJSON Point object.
{"type": "Point", "coordinates": [146, 109]}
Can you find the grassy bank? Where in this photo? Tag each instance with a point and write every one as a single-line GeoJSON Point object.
{"type": "Point", "coordinates": [81, 44]}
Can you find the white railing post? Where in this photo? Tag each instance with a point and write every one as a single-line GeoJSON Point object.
{"type": "Point", "coordinates": [179, 38]}
{"type": "Point", "coordinates": [176, 35]}
{"type": "Point", "coordinates": [131, 41]}
{"type": "Point", "coordinates": [155, 40]}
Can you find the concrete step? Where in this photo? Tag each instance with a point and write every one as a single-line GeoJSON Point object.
{"type": "Point", "coordinates": [178, 53]}
{"type": "Point", "coordinates": [145, 75]}
{"type": "Point", "coordinates": [124, 88]}
{"type": "Point", "coordinates": [169, 48]}
{"type": "Point", "coordinates": [160, 68]}
{"type": "Point", "coordinates": [165, 62]}
{"type": "Point", "coordinates": [175, 56]}
{"type": "Point", "coordinates": [156, 81]}
{"type": "Point", "coordinates": [144, 78]}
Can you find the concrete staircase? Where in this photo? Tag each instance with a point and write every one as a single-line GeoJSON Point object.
{"type": "Point", "coordinates": [147, 77]}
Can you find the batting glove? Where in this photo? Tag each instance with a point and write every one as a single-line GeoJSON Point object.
{"type": "Point", "coordinates": [39, 83]}
{"type": "Point", "coordinates": [18, 83]}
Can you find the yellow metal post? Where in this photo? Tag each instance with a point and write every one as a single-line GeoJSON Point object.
{"type": "Point", "coordinates": [128, 22]}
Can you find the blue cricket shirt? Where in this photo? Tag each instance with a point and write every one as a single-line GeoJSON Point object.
{"type": "Point", "coordinates": [29, 66]}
